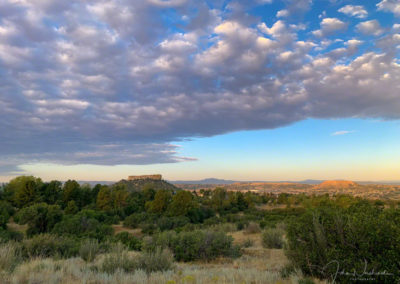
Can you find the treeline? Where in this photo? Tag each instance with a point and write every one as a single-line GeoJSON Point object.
{"type": "Point", "coordinates": [316, 231]}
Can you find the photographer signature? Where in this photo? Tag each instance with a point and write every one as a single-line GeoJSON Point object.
{"type": "Point", "coordinates": [364, 275]}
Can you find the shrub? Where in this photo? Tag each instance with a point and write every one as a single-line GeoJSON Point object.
{"type": "Point", "coordinates": [159, 260]}
{"type": "Point", "coordinates": [272, 238]}
{"type": "Point", "coordinates": [362, 237]}
{"type": "Point", "coordinates": [8, 235]}
{"type": "Point", "coordinates": [134, 220]}
{"type": "Point", "coordinates": [118, 259]}
{"type": "Point", "coordinates": [40, 217]}
{"type": "Point", "coordinates": [169, 223]}
{"type": "Point", "coordinates": [89, 250]}
{"type": "Point", "coordinates": [46, 245]}
{"type": "Point", "coordinates": [82, 226]}
{"type": "Point", "coordinates": [188, 246]}
{"type": "Point", "coordinates": [130, 241]}
{"type": "Point", "coordinates": [252, 228]}
{"type": "Point", "coordinates": [10, 256]}
{"type": "Point", "coordinates": [4, 216]}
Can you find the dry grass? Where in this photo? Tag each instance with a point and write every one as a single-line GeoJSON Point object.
{"type": "Point", "coordinates": [76, 271]}
{"type": "Point", "coordinates": [257, 265]}
{"type": "Point", "coordinates": [120, 228]}
{"type": "Point", "coordinates": [16, 227]}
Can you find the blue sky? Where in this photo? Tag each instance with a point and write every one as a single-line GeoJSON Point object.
{"type": "Point", "coordinates": [244, 90]}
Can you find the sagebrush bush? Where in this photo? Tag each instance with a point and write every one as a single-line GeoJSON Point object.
{"type": "Point", "coordinates": [130, 241]}
{"type": "Point", "coordinates": [10, 256]}
{"type": "Point", "coordinates": [159, 260]}
{"type": "Point", "coordinates": [118, 259]}
{"type": "Point", "coordinates": [46, 245]}
{"type": "Point", "coordinates": [272, 238]}
{"type": "Point", "coordinates": [188, 246]}
{"type": "Point", "coordinates": [83, 226]}
{"type": "Point", "coordinates": [89, 250]}
{"type": "Point", "coordinates": [252, 228]}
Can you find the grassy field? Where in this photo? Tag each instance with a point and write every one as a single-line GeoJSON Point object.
{"type": "Point", "coordinates": [256, 265]}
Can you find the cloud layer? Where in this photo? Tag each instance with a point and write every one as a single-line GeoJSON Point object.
{"type": "Point", "coordinates": [115, 82]}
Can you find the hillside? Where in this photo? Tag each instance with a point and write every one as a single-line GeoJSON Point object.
{"type": "Point", "coordinates": [137, 185]}
{"type": "Point", "coordinates": [337, 184]}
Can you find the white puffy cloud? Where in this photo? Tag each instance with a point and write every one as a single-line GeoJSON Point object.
{"type": "Point", "coordinates": [330, 26]}
{"type": "Point", "coordinates": [392, 6]}
{"type": "Point", "coordinates": [357, 11]}
{"type": "Point", "coordinates": [370, 28]}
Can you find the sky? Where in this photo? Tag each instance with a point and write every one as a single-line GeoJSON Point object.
{"type": "Point", "coordinates": [242, 90]}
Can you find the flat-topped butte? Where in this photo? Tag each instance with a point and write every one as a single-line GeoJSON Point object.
{"type": "Point", "coordinates": [143, 177]}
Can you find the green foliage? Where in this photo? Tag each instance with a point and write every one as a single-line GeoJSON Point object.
{"type": "Point", "coordinates": [169, 223]}
{"type": "Point", "coordinates": [89, 249]}
{"type": "Point", "coordinates": [71, 191]}
{"type": "Point", "coordinates": [182, 203]}
{"type": "Point", "coordinates": [158, 260]}
{"type": "Point", "coordinates": [82, 226]}
{"type": "Point", "coordinates": [134, 220]}
{"type": "Point", "coordinates": [8, 235]}
{"type": "Point", "coordinates": [188, 246]}
{"type": "Point", "coordinates": [272, 238]}
{"type": "Point", "coordinates": [46, 245]}
{"type": "Point", "coordinates": [306, 281]}
{"type": "Point", "coordinates": [24, 190]}
{"type": "Point", "coordinates": [4, 216]}
{"type": "Point", "coordinates": [52, 192]}
{"type": "Point", "coordinates": [359, 238]}
{"type": "Point", "coordinates": [162, 199]}
{"type": "Point", "coordinates": [118, 259]}
{"type": "Point", "coordinates": [40, 217]}
{"type": "Point", "coordinates": [104, 200]}
{"type": "Point", "coordinates": [130, 241]}
{"type": "Point", "coordinates": [71, 207]}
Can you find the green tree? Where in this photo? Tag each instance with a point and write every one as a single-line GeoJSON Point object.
{"type": "Point", "coordinates": [71, 191]}
{"type": "Point", "coordinates": [104, 199]}
{"type": "Point", "coordinates": [40, 217]}
{"type": "Point", "coordinates": [182, 203]}
{"type": "Point", "coordinates": [52, 192]}
{"type": "Point", "coordinates": [71, 207]}
{"type": "Point", "coordinates": [119, 197]}
{"type": "Point", "coordinates": [160, 203]}
{"type": "Point", "coordinates": [24, 190]}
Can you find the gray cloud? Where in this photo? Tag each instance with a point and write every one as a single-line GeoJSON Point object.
{"type": "Point", "coordinates": [110, 83]}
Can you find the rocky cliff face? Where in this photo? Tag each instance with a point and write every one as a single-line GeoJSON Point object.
{"type": "Point", "coordinates": [145, 177]}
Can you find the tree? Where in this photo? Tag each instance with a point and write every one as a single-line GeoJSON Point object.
{"type": "Point", "coordinates": [219, 199]}
{"type": "Point", "coordinates": [52, 192]}
{"type": "Point", "coordinates": [40, 217]}
{"type": "Point", "coordinates": [71, 207]}
{"type": "Point", "coordinates": [71, 191]}
{"type": "Point", "coordinates": [119, 197]}
{"type": "Point", "coordinates": [148, 192]}
{"type": "Point", "coordinates": [182, 203]}
{"type": "Point", "coordinates": [160, 203]}
{"type": "Point", "coordinates": [24, 190]}
{"type": "Point", "coordinates": [104, 200]}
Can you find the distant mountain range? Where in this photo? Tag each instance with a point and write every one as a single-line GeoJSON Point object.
{"type": "Point", "coordinates": [215, 181]}
{"type": "Point", "coordinates": [307, 181]}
